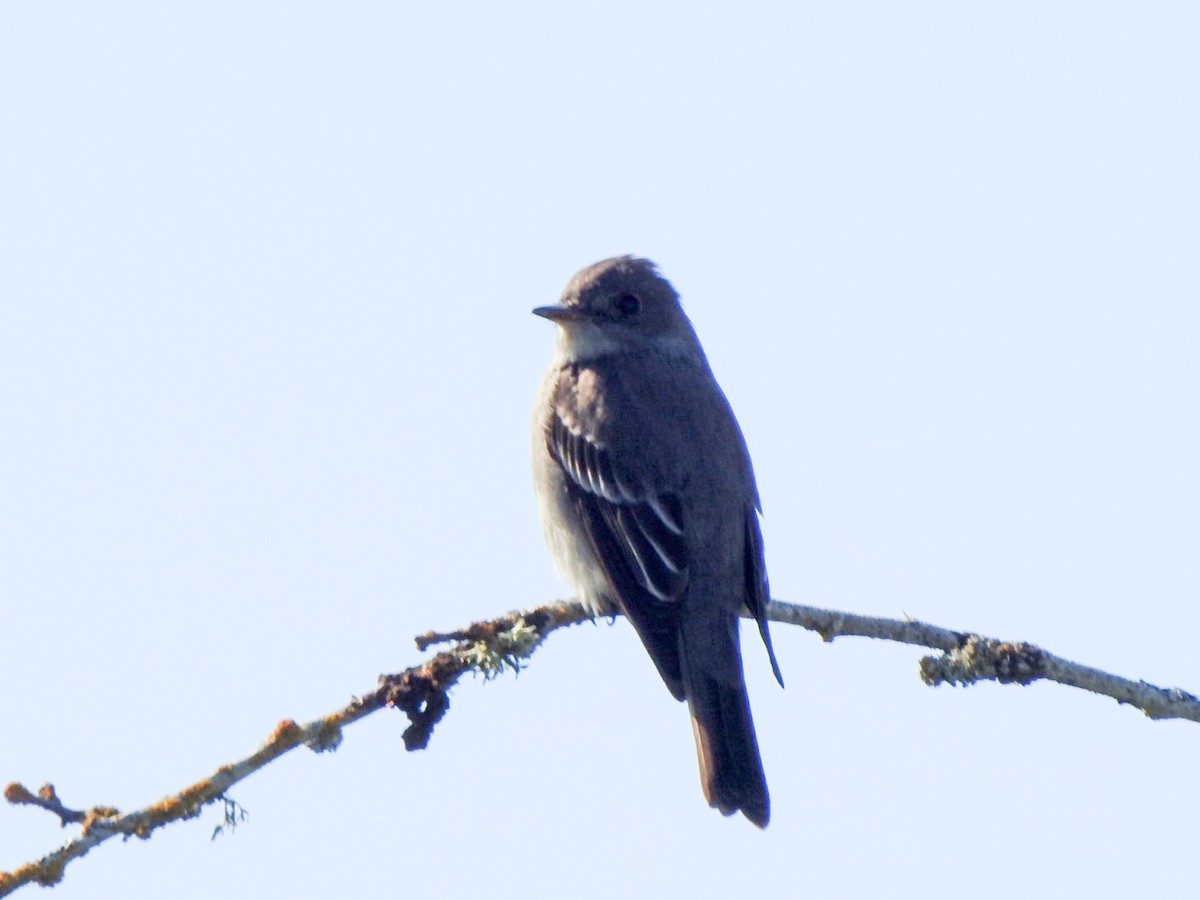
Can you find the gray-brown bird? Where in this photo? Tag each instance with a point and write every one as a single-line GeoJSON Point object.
{"type": "Point", "coordinates": [649, 504]}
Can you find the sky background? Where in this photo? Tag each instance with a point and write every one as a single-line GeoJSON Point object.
{"type": "Point", "coordinates": [266, 373]}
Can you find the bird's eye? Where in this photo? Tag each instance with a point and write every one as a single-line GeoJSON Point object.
{"type": "Point", "coordinates": [627, 305]}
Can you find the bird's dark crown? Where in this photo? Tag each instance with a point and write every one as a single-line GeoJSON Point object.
{"type": "Point", "coordinates": [625, 290]}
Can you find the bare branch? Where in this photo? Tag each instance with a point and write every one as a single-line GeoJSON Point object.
{"type": "Point", "coordinates": [421, 692]}
{"type": "Point", "coordinates": [967, 658]}
{"type": "Point", "coordinates": [490, 648]}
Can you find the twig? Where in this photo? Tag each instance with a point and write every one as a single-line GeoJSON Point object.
{"type": "Point", "coordinates": [422, 692]}
{"type": "Point", "coordinates": [46, 798]}
{"type": "Point", "coordinates": [967, 658]}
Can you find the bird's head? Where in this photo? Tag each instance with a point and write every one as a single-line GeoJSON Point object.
{"type": "Point", "coordinates": [620, 305]}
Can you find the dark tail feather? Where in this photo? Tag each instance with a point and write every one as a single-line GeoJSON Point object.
{"type": "Point", "coordinates": [731, 771]}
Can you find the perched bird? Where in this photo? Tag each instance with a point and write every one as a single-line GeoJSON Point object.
{"type": "Point", "coordinates": [649, 504]}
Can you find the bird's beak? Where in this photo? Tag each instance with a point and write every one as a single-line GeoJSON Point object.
{"type": "Point", "coordinates": [559, 314]}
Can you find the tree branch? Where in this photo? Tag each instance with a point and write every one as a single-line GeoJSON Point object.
{"type": "Point", "coordinates": [967, 657]}
{"type": "Point", "coordinates": [422, 693]}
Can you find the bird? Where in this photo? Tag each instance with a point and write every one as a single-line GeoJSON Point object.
{"type": "Point", "coordinates": [650, 508]}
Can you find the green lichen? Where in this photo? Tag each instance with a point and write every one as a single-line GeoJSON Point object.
{"type": "Point", "coordinates": [508, 649]}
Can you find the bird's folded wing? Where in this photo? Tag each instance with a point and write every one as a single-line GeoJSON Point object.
{"type": "Point", "coordinates": [645, 528]}
{"type": "Point", "coordinates": [758, 590]}
{"type": "Point", "coordinates": [638, 538]}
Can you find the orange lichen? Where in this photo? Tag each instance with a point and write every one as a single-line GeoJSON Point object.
{"type": "Point", "coordinates": [286, 732]}
{"type": "Point", "coordinates": [18, 793]}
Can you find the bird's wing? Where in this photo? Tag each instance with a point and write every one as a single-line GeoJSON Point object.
{"type": "Point", "coordinates": [638, 538]}
{"type": "Point", "coordinates": [758, 590]}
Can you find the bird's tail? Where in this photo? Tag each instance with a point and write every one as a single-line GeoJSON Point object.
{"type": "Point", "coordinates": [731, 771]}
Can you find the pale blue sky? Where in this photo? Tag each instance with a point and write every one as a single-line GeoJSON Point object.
{"type": "Point", "coordinates": [268, 364]}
